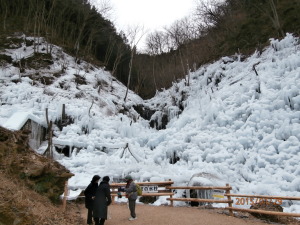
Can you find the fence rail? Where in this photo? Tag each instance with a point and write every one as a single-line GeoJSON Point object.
{"type": "Point", "coordinates": [227, 189]}
{"type": "Point", "coordinates": [264, 212]}
{"type": "Point", "coordinates": [199, 200]}
{"type": "Point", "coordinates": [162, 190]}
{"type": "Point", "coordinates": [229, 201]}
{"type": "Point", "coordinates": [199, 187]}
{"type": "Point", "coordinates": [265, 196]}
{"type": "Point", "coordinates": [165, 189]}
{"type": "Point", "coordinates": [161, 183]}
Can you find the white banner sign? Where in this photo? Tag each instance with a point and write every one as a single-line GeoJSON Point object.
{"type": "Point", "coordinates": [149, 189]}
{"type": "Point", "coordinates": [218, 193]}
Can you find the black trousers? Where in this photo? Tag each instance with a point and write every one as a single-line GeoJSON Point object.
{"type": "Point", "coordinates": [89, 216]}
{"type": "Point", "coordinates": [131, 204]}
{"type": "Point", "coordinates": [99, 221]}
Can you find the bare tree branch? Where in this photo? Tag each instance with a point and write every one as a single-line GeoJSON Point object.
{"type": "Point", "coordinates": [134, 35]}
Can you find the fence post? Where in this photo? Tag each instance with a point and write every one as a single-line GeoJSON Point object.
{"type": "Point", "coordinates": [171, 195]}
{"type": "Point", "coordinates": [65, 196]}
{"type": "Point", "coordinates": [229, 200]}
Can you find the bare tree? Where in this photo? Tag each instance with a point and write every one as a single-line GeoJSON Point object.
{"type": "Point", "coordinates": [156, 43]}
{"type": "Point", "coordinates": [5, 9]}
{"type": "Point", "coordinates": [275, 17]}
{"type": "Point", "coordinates": [153, 73]}
{"type": "Point", "coordinates": [210, 12]}
{"type": "Point", "coordinates": [109, 50]}
{"type": "Point", "coordinates": [121, 50]}
{"type": "Point", "coordinates": [176, 34]}
{"type": "Point", "coordinates": [179, 33]}
{"type": "Point", "coordinates": [134, 35]}
{"type": "Point", "coordinates": [104, 7]}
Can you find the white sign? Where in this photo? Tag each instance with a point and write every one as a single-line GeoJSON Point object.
{"type": "Point", "coordinates": [218, 193]}
{"type": "Point", "coordinates": [149, 189]}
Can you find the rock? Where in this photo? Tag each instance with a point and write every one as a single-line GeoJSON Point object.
{"type": "Point", "coordinates": [66, 175]}
{"type": "Point", "coordinates": [267, 206]}
{"type": "Point", "coordinates": [35, 171]}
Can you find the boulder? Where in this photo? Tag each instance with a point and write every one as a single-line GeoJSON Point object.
{"type": "Point", "coordinates": [267, 206]}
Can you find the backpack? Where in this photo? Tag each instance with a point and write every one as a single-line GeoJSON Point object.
{"type": "Point", "coordinates": [139, 190]}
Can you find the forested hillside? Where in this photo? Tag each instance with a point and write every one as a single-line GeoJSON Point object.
{"type": "Point", "coordinates": [74, 25]}
{"type": "Point", "coordinates": [214, 30]}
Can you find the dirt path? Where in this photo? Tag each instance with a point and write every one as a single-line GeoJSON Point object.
{"type": "Point", "coordinates": [166, 215]}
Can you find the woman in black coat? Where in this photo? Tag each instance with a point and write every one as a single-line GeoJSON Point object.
{"type": "Point", "coordinates": [90, 193]}
{"type": "Point", "coordinates": [102, 201]}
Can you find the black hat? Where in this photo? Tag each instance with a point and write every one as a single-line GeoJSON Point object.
{"type": "Point", "coordinates": [106, 178]}
{"type": "Point", "coordinates": [128, 177]}
{"type": "Point", "coordinates": [95, 178]}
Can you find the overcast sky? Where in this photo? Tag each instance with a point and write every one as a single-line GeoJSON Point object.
{"type": "Point", "coordinates": [152, 15]}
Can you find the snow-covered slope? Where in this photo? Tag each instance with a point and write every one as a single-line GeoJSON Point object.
{"type": "Point", "coordinates": [241, 123]}
{"type": "Point", "coordinates": [85, 89]}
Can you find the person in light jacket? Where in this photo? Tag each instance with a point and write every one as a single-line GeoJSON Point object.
{"type": "Point", "coordinates": [102, 201]}
{"type": "Point", "coordinates": [89, 194]}
{"type": "Point", "coordinates": [131, 194]}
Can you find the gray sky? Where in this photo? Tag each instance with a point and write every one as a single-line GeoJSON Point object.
{"type": "Point", "coordinates": [149, 14]}
{"type": "Point", "coordinates": [153, 14]}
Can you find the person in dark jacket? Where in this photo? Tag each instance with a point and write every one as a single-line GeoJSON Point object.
{"type": "Point", "coordinates": [102, 201]}
{"type": "Point", "coordinates": [131, 194]}
{"type": "Point", "coordinates": [90, 193]}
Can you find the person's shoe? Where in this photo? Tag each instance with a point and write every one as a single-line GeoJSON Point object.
{"type": "Point", "coordinates": [132, 218]}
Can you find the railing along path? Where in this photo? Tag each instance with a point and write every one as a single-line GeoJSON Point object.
{"type": "Point", "coordinates": [164, 188]}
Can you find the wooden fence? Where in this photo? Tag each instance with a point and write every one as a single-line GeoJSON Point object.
{"type": "Point", "coordinates": [263, 198]}
{"type": "Point", "coordinates": [227, 189]}
{"type": "Point", "coordinates": [161, 191]}
{"type": "Point", "coordinates": [247, 199]}
{"type": "Point", "coordinates": [165, 189]}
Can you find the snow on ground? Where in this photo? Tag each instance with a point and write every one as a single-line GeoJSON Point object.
{"type": "Point", "coordinates": [241, 127]}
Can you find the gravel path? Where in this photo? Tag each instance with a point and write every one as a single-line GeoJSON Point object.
{"type": "Point", "coordinates": [166, 215]}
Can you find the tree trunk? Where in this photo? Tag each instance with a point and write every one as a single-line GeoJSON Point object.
{"type": "Point", "coordinates": [130, 70]}
{"type": "Point", "coordinates": [4, 17]}
{"type": "Point", "coordinates": [153, 73]}
{"type": "Point", "coordinates": [276, 18]}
